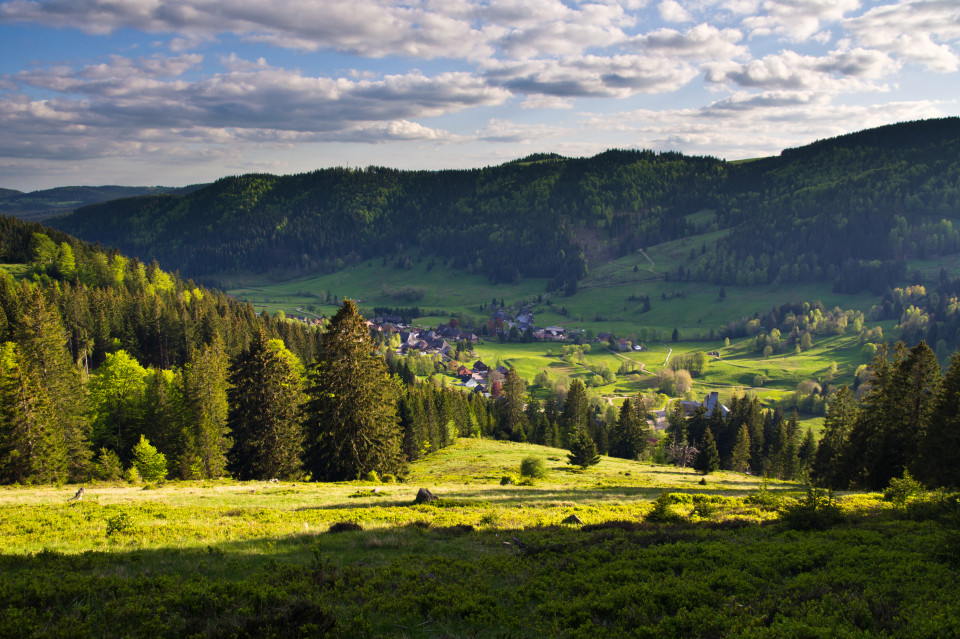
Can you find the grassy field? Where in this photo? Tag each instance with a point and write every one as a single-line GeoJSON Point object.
{"type": "Point", "coordinates": [658, 553]}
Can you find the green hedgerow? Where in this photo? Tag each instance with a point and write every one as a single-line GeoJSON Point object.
{"type": "Point", "coordinates": [533, 467]}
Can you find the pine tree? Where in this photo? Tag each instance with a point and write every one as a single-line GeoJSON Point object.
{"type": "Point", "coordinates": [29, 447]}
{"type": "Point", "coordinates": [827, 469]}
{"type": "Point", "coordinates": [513, 419]}
{"type": "Point", "coordinates": [205, 395]}
{"type": "Point", "coordinates": [351, 417]}
{"type": "Point", "coordinates": [629, 438]}
{"type": "Point", "coordinates": [583, 450]}
{"type": "Point", "coordinates": [43, 347]}
{"type": "Point", "coordinates": [265, 398]}
{"type": "Point", "coordinates": [708, 459]}
{"type": "Point", "coordinates": [740, 460]}
{"type": "Point", "coordinates": [576, 411]}
{"type": "Point", "coordinates": [938, 460]}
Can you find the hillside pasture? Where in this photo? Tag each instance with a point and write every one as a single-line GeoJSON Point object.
{"type": "Point", "coordinates": [658, 554]}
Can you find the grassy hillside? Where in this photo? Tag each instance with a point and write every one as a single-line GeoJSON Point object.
{"type": "Point", "coordinates": [728, 557]}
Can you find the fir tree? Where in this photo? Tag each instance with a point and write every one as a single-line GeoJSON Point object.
{"type": "Point", "coordinates": [30, 450]}
{"type": "Point", "coordinates": [583, 450]}
{"type": "Point", "coordinates": [740, 460]}
{"type": "Point", "coordinates": [629, 438]}
{"type": "Point", "coordinates": [513, 419]}
{"type": "Point", "coordinates": [43, 342]}
{"type": "Point", "coordinates": [708, 459]}
{"type": "Point", "coordinates": [205, 394]}
{"type": "Point", "coordinates": [827, 468]}
{"type": "Point", "coordinates": [938, 459]}
{"type": "Point", "coordinates": [576, 411]}
{"type": "Point", "coordinates": [265, 398]}
{"type": "Point", "coordinates": [351, 417]}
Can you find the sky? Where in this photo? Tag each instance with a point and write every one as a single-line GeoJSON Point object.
{"type": "Point", "coordinates": [176, 92]}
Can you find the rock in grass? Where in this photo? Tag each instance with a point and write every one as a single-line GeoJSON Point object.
{"type": "Point", "coordinates": [344, 526]}
{"type": "Point", "coordinates": [573, 519]}
{"type": "Point", "coordinates": [424, 495]}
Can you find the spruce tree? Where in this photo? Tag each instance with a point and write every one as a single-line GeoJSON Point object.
{"type": "Point", "coordinates": [938, 459]}
{"type": "Point", "coordinates": [351, 416]}
{"type": "Point", "coordinates": [708, 459]}
{"type": "Point", "coordinates": [576, 411]}
{"type": "Point", "coordinates": [265, 399]}
{"type": "Point", "coordinates": [43, 347]}
{"type": "Point", "coordinates": [511, 407]}
{"type": "Point", "coordinates": [740, 459]}
{"type": "Point", "coordinates": [827, 469]}
{"type": "Point", "coordinates": [583, 450]}
{"type": "Point", "coordinates": [205, 394]}
{"type": "Point", "coordinates": [629, 438]}
{"type": "Point", "coordinates": [30, 450]}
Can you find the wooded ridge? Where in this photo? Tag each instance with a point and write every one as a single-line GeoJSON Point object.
{"type": "Point", "coordinates": [849, 210]}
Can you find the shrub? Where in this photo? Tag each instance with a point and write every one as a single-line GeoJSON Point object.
{"type": "Point", "coordinates": [118, 524]}
{"type": "Point", "coordinates": [533, 467]}
{"type": "Point", "coordinates": [902, 490]}
{"type": "Point", "coordinates": [703, 506]}
{"type": "Point", "coordinates": [372, 476]}
{"type": "Point", "coordinates": [764, 498]}
{"type": "Point", "coordinates": [344, 526]}
{"type": "Point", "coordinates": [662, 511]}
{"type": "Point", "coordinates": [816, 511]}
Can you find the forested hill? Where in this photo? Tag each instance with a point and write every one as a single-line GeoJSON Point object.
{"type": "Point", "coordinates": [851, 209]}
{"type": "Point", "coordinates": [40, 205]}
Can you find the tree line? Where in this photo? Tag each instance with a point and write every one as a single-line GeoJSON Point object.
{"type": "Point", "coordinates": [101, 355]}
{"type": "Point", "coordinates": [905, 422]}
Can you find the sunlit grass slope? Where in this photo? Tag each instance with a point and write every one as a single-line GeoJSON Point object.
{"type": "Point", "coordinates": [658, 554]}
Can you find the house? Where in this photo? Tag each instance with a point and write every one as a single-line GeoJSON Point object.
{"type": "Point", "coordinates": [711, 402]}
{"type": "Point", "coordinates": [624, 344]}
{"type": "Point", "coordinates": [462, 371]}
{"type": "Point", "coordinates": [480, 367]}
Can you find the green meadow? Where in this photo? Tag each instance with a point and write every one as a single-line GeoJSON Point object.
{"type": "Point", "coordinates": [656, 551]}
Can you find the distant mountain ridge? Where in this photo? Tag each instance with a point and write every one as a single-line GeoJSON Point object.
{"type": "Point", "coordinates": [47, 203]}
{"type": "Point", "coordinates": [850, 209]}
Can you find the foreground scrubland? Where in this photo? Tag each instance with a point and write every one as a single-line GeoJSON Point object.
{"type": "Point", "coordinates": [658, 554]}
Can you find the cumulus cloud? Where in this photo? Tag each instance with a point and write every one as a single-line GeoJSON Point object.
{"type": "Point", "coordinates": [839, 71]}
{"type": "Point", "coordinates": [672, 11]}
{"type": "Point", "coordinates": [141, 101]}
{"type": "Point", "coordinates": [702, 42]}
{"type": "Point", "coordinates": [616, 76]}
{"type": "Point", "coordinates": [920, 32]}
{"type": "Point", "coordinates": [365, 27]}
{"type": "Point", "coordinates": [795, 20]}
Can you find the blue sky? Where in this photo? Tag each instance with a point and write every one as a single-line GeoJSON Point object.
{"type": "Point", "coordinates": [165, 92]}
